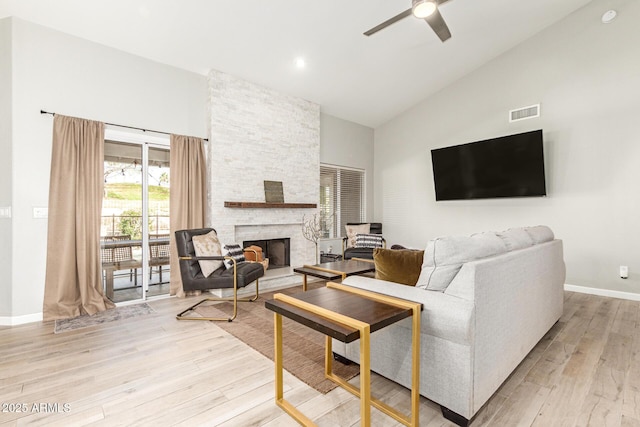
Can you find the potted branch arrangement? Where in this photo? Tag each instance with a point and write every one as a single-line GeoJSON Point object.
{"type": "Point", "coordinates": [312, 228]}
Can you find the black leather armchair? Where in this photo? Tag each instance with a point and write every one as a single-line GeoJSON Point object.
{"type": "Point", "coordinates": [365, 253]}
{"type": "Point", "coordinates": [239, 276]}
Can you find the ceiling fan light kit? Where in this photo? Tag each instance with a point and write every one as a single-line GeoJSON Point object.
{"type": "Point", "coordinates": [423, 8]}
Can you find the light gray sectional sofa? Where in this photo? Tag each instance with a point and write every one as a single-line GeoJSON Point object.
{"type": "Point", "coordinates": [488, 299]}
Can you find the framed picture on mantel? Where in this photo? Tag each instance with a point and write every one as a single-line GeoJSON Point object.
{"type": "Point", "coordinates": [273, 192]}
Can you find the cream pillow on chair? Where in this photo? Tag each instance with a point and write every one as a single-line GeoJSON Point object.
{"type": "Point", "coordinates": [208, 245]}
{"type": "Point", "coordinates": [353, 231]}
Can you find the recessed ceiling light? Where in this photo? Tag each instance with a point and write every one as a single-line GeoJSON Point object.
{"type": "Point", "coordinates": [609, 16]}
{"type": "Point", "coordinates": [300, 63]}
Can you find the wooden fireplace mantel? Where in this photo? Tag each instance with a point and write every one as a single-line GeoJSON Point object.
{"type": "Point", "coordinates": [262, 205]}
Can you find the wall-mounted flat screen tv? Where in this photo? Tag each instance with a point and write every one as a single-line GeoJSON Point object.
{"type": "Point", "coordinates": [509, 166]}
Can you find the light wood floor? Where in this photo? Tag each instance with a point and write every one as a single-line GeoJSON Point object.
{"type": "Point", "coordinates": [156, 371]}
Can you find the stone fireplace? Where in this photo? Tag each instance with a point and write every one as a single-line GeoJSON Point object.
{"type": "Point", "coordinates": [257, 135]}
{"type": "Point", "coordinates": [298, 247]}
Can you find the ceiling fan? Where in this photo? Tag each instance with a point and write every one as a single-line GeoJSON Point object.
{"type": "Point", "coordinates": [422, 9]}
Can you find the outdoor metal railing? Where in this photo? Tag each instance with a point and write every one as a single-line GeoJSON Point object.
{"type": "Point", "coordinates": [112, 225]}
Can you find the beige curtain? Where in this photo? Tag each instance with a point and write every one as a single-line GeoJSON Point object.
{"type": "Point", "coordinates": [73, 281]}
{"type": "Point", "coordinates": [188, 195]}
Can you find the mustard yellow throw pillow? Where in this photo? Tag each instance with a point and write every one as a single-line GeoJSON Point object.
{"type": "Point", "coordinates": [398, 265]}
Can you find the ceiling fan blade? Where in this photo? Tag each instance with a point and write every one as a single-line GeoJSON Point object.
{"type": "Point", "coordinates": [388, 22]}
{"type": "Point", "coordinates": [436, 22]}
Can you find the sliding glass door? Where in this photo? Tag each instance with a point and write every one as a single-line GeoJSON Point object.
{"type": "Point", "coordinates": [135, 220]}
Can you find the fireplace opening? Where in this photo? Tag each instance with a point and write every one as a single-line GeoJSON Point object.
{"type": "Point", "coordinates": [277, 250]}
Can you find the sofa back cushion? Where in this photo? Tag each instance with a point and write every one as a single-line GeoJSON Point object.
{"type": "Point", "coordinates": [444, 256]}
{"type": "Point", "coordinates": [523, 237]}
{"type": "Point", "coordinates": [540, 234]}
{"type": "Point", "coordinates": [516, 238]}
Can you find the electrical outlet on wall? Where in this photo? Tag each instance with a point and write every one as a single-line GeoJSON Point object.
{"type": "Point", "coordinates": [624, 271]}
{"type": "Point", "coordinates": [40, 212]}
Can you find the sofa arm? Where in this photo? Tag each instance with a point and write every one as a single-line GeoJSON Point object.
{"type": "Point", "coordinates": [443, 316]}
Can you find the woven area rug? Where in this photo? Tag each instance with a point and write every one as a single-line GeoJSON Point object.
{"type": "Point", "coordinates": [303, 348]}
{"type": "Point", "coordinates": [118, 313]}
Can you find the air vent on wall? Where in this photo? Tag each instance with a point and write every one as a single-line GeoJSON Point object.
{"type": "Point", "coordinates": [524, 113]}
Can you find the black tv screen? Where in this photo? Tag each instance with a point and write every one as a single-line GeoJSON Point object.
{"type": "Point", "coordinates": [509, 166]}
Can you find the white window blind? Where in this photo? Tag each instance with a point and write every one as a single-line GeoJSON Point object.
{"type": "Point", "coordinates": [341, 199]}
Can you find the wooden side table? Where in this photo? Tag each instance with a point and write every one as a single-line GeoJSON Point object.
{"type": "Point", "coordinates": [348, 314]}
{"type": "Point", "coordinates": [334, 270]}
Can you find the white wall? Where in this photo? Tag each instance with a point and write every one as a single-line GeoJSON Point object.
{"type": "Point", "coordinates": [5, 165]}
{"type": "Point", "coordinates": [344, 143]}
{"type": "Point", "coordinates": [64, 74]}
{"type": "Point", "coordinates": [586, 75]}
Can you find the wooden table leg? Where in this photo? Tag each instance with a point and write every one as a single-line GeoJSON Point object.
{"type": "Point", "coordinates": [277, 321]}
{"type": "Point", "coordinates": [365, 377]}
{"type": "Point", "coordinates": [109, 283]}
{"type": "Point", "coordinates": [280, 400]}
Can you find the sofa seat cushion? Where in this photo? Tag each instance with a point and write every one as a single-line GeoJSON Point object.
{"type": "Point", "coordinates": [399, 266]}
{"type": "Point", "coordinates": [248, 272]}
{"type": "Point", "coordinates": [366, 253]}
{"type": "Point", "coordinates": [443, 316]}
{"type": "Point", "coordinates": [444, 256]}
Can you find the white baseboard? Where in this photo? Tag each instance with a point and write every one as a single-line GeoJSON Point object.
{"type": "Point", "coordinates": [602, 292]}
{"type": "Point", "coordinates": [20, 320]}
{"type": "Point", "coordinates": [37, 317]}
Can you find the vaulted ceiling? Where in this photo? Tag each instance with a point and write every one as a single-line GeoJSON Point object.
{"type": "Point", "coordinates": [368, 80]}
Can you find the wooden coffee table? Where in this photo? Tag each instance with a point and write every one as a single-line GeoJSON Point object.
{"type": "Point", "coordinates": [335, 270]}
{"type": "Point", "coordinates": [347, 314]}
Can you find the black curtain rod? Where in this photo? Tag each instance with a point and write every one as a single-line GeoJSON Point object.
{"type": "Point", "coordinates": [123, 126]}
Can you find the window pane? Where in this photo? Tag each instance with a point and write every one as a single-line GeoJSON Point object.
{"type": "Point", "coordinates": [159, 268]}
{"type": "Point", "coordinates": [328, 201]}
{"type": "Point", "coordinates": [341, 199]}
{"type": "Point", "coordinates": [121, 231]}
{"type": "Point", "coordinates": [351, 183]}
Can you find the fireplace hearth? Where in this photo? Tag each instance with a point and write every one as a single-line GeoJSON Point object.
{"type": "Point", "coordinates": [277, 250]}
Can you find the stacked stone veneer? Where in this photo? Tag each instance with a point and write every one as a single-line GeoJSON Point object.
{"type": "Point", "coordinates": [258, 134]}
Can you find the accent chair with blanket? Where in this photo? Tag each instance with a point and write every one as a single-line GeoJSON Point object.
{"type": "Point", "coordinates": [205, 264]}
{"type": "Point", "coordinates": [362, 238]}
